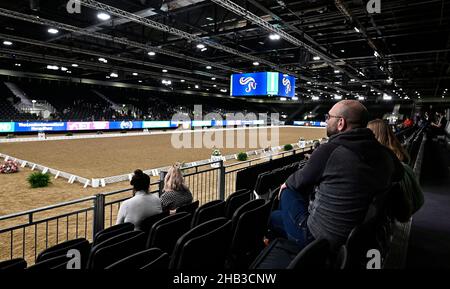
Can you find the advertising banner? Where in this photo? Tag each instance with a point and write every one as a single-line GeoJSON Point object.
{"type": "Point", "coordinates": [157, 124]}
{"type": "Point", "coordinates": [39, 126]}
{"type": "Point", "coordinates": [124, 125]}
{"type": "Point", "coordinates": [91, 125]}
{"type": "Point", "coordinates": [311, 123]}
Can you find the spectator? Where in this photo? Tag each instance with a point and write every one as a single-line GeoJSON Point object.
{"type": "Point", "coordinates": [409, 198]}
{"type": "Point", "coordinates": [407, 123]}
{"type": "Point", "coordinates": [142, 205]}
{"type": "Point", "coordinates": [343, 175]}
{"type": "Point", "coordinates": [175, 192]}
{"type": "Point", "coordinates": [438, 126]}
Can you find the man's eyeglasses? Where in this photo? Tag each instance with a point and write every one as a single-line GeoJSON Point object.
{"type": "Point", "coordinates": [328, 116]}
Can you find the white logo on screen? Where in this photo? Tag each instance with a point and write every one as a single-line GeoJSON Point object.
{"type": "Point", "coordinates": [249, 81]}
{"type": "Point", "coordinates": [126, 125]}
{"type": "Point", "coordinates": [5, 127]}
{"type": "Point", "coordinates": [287, 85]}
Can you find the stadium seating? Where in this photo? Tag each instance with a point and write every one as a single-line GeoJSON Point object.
{"type": "Point", "coordinates": [204, 246]}
{"type": "Point", "coordinates": [112, 232]}
{"type": "Point", "coordinates": [208, 211]}
{"type": "Point", "coordinates": [147, 224]}
{"type": "Point", "coordinates": [13, 265]}
{"type": "Point", "coordinates": [165, 233]}
{"type": "Point", "coordinates": [277, 255]}
{"type": "Point", "coordinates": [235, 200]}
{"type": "Point", "coordinates": [59, 262]}
{"type": "Point", "coordinates": [188, 208]}
{"type": "Point", "coordinates": [114, 249]}
{"type": "Point", "coordinates": [247, 178]}
{"type": "Point", "coordinates": [152, 258]}
{"type": "Point", "coordinates": [314, 256]}
{"type": "Point", "coordinates": [80, 244]}
{"type": "Point", "coordinates": [249, 228]}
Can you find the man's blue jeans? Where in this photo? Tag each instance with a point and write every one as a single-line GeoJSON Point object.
{"type": "Point", "coordinates": [290, 220]}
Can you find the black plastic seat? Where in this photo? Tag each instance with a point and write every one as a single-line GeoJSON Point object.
{"type": "Point", "coordinates": [253, 204]}
{"type": "Point", "coordinates": [314, 256]}
{"type": "Point", "coordinates": [204, 247]}
{"type": "Point", "coordinates": [361, 239]}
{"type": "Point", "coordinates": [165, 233]}
{"type": "Point", "coordinates": [17, 264]}
{"type": "Point", "coordinates": [249, 229]}
{"type": "Point", "coordinates": [278, 255]}
{"type": "Point", "coordinates": [51, 263]}
{"type": "Point", "coordinates": [140, 260]}
{"type": "Point", "coordinates": [80, 244]}
{"type": "Point", "coordinates": [114, 249]}
{"type": "Point", "coordinates": [112, 232]}
{"type": "Point", "coordinates": [160, 263]}
{"type": "Point", "coordinates": [235, 200]}
{"type": "Point", "coordinates": [147, 223]}
{"type": "Point", "coordinates": [188, 208]}
{"type": "Point", "coordinates": [208, 211]}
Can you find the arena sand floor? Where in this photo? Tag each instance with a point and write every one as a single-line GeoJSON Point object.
{"type": "Point", "coordinates": [96, 158]}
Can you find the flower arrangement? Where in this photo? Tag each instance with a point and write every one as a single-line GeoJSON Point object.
{"type": "Point", "coordinates": [9, 167]}
{"type": "Point", "coordinates": [216, 155]}
{"type": "Point", "coordinates": [301, 143]}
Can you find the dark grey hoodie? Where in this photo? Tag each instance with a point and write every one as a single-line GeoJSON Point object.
{"type": "Point", "coordinates": [347, 172]}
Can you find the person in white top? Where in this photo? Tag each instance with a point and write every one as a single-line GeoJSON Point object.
{"type": "Point", "coordinates": [142, 205]}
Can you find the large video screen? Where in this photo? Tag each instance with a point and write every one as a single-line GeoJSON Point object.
{"type": "Point", "coordinates": [262, 84]}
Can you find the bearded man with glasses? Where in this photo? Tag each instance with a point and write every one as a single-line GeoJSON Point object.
{"type": "Point", "coordinates": [339, 182]}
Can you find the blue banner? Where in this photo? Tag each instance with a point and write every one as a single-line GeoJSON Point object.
{"type": "Point", "coordinates": [39, 126]}
{"type": "Point", "coordinates": [310, 123]}
{"type": "Point", "coordinates": [125, 125]}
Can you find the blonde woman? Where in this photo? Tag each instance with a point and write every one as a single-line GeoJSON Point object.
{"type": "Point", "coordinates": [175, 192]}
{"type": "Point", "coordinates": [386, 137]}
{"type": "Point", "coordinates": [409, 199]}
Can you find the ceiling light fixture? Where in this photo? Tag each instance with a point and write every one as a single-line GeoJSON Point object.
{"type": "Point", "coordinates": [103, 16]}
{"type": "Point", "coordinates": [274, 37]}
{"type": "Point", "coordinates": [53, 31]}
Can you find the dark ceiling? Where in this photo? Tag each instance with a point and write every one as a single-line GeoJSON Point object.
{"type": "Point", "coordinates": [411, 40]}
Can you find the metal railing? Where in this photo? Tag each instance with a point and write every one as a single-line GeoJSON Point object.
{"type": "Point", "coordinates": [25, 234]}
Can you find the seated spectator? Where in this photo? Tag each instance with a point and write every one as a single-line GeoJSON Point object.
{"type": "Point", "coordinates": [407, 123]}
{"type": "Point", "coordinates": [142, 205]}
{"type": "Point", "coordinates": [175, 192]}
{"type": "Point", "coordinates": [438, 126]}
{"type": "Point", "coordinates": [410, 197]}
{"type": "Point", "coordinates": [343, 175]}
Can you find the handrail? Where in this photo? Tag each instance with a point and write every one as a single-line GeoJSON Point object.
{"type": "Point", "coordinates": [68, 203]}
